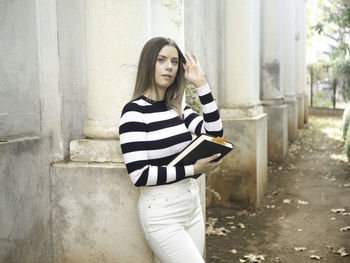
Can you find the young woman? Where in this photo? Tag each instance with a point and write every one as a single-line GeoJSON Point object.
{"type": "Point", "coordinates": [154, 128]}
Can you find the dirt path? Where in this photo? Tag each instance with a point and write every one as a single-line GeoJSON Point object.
{"type": "Point", "coordinates": [297, 208]}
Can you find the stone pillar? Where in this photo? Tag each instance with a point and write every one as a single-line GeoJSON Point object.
{"type": "Point", "coordinates": [299, 87]}
{"type": "Point", "coordinates": [288, 14]}
{"type": "Point", "coordinates": [303, 61]}
{"type": "Point", "coordinates": [168, 20]}
{"type": "Point", "coordinates": [112, 53]}
{"type": "Point", "coordinates": [243, 176]}
{"type": "Point", "coordinates": [94, 202]}
{"type": "Point", "coordinates": [271, 85]}
{"type": "Point", "coordinates": [203, 37]}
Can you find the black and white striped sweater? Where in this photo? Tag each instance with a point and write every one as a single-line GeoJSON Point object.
{"type": "Point", "coordinates": [151, 136]}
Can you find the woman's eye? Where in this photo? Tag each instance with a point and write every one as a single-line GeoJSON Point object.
{"type": "Point", "coordinates": [174, 62]}
{"type": "Point", "coordinates": [161, 59]}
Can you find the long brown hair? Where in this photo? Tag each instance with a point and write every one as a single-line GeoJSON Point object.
{"type": "Point", "coordinates": [145, 78]}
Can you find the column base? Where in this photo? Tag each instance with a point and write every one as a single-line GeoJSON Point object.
{"type": "Point", "coordinates": [277, 132]}
{"type": "Point", "coordinates": [94, 210]}
{"type": "Point", "coordinates": [306, 108]}
{"type": "Point", "coordinates": [242, 179]}
{"type": "Point", "coordinates": [101, 151]}
{"type": "Point", "coordinates": [301, 113]}
{"type": "Point", "coordinates": [292, 118]}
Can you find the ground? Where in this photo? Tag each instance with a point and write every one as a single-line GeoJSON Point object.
{"type": "Point", "coordinates": [295, 220]}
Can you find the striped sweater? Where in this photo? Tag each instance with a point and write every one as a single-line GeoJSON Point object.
{"type": "Point", "coordinates": [151, 136]}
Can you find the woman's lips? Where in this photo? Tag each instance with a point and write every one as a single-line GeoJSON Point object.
{"type": "Point", "coordinates": [167, 76]}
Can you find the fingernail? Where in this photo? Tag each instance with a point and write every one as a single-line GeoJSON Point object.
{"type": "Point", "coordinates": [218, 154]}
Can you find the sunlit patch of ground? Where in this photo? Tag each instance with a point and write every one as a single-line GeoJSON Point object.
{"type": "Point", "coordinates": [296, 221]}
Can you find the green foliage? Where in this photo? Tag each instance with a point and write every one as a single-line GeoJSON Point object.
{"type": "Point", "coordinates": [320, 100]}
{"type": "Point", "coordinates": [335, 22]}
{"type": "Point", "coordinates": [192, 99]}
{"type": "Point", "coordinates": [338, 69]}
{"type": "Point", "coordinates": [208, 186]}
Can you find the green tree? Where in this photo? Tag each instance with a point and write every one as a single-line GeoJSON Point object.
{"type": "Point", "coordinates": [335, 23]}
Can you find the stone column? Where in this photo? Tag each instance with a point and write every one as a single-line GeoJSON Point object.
{"type": "Point", "coordinates": [271, 79]}
{"type": "Point", "coordinates": [168, 20]}
{"type": "Point", "coordinates": [203, 37]}
{"type": "Point", "coordinates": [112, 53]}
{"type": "Point", "coordinates": [243, 176]}
{"type": "Point", "coordinates": [288, 14]}
{"type": "Point", "coordinates": [303, 61]}
{"type": "Point", "coordinates": [299, 87]}
{"type": "Point", "coordinates": [94, 202]}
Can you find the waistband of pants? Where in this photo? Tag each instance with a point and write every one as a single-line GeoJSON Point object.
{"type": "Point", "coordinates": [188, 183]}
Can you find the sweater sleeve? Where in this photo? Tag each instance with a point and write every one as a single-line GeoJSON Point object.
{"type": "Point", "coordinates": [134, 146]}
{"type": "Point", "coordinates": [210, 123]}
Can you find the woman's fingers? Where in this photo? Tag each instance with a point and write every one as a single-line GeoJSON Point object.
{"type": "Point", "coordinates": [189, 58]}
{"type": "Point", "coordinates": [213, 157]}
{"type": "Point", "coordinates": [195, 58]}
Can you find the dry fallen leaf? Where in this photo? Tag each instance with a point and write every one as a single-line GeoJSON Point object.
{"type": "Point", "coordinates": [270, 206]}
{"type": "Point", "coordinates": [233, 251]}
{"type": "Point", "coordinates": [221, 231]}
{"type": "Point", "coordinates": [300, 248]}
{"type": "Point", "coordinates": [343, 252]}
{"type": "Point", "coordinates": [315, 257]}
{"type": "Point", "coordinates": [251, 258]}
{"type": "Point", "coordinates": [242, 213]}
{"type": "Point", "coordinates": [240, 225]}
{"type": "Point", "coordinates": [210, 230]}
{"type": "Point", "coordinates": [230, 217]}
{"type": "Point", "coordinates": [287, 201]}
{"type": "Point", "coordinates": [302, 202]}
{"type": "Point", "coordinates": [338, 210]}
{"type": "Point", "coordinates": [345, 229]}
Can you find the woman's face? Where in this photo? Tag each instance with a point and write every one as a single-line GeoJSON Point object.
{"type": "Point", "coordinates": [167, 65]}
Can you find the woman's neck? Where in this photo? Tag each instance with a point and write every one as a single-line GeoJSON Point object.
{"type": "Point", "coordinates": [155, 94]}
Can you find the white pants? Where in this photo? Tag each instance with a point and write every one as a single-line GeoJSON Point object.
{"type": "Point", "coordinates": [172, 220]}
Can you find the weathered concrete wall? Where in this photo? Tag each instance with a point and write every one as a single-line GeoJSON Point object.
{"type": "Point", "coordinates": [320, 111]}
{"type": "Point", "coordinates": [95, 214]}
{"type": "Point", "coordinates": [72, 70]}
{"type": "Point", "coordinates": [306, 107]}
{"type": "Point", "coordinates": [277, 125]}
{"type": "Point", "coordinates": [20, 93]}
{"type": "Point", "coordinates": [25, 233]}
{"type": "Point", "coordinates": [301, 113]}
{"type": "Point", "coordinates": [243, 177]}
{"type": "Point", "coordinates": [292, 119]}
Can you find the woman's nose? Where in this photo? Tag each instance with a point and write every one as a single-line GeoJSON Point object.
{"type": "Point", "coordinates": [169, 65]}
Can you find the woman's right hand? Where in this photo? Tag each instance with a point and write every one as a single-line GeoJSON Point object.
{"type": "Point", "coordinates": [206, 165]}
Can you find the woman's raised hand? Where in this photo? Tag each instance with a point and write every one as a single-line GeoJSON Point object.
{"type": "Point", "coordinates": [193, 71]}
